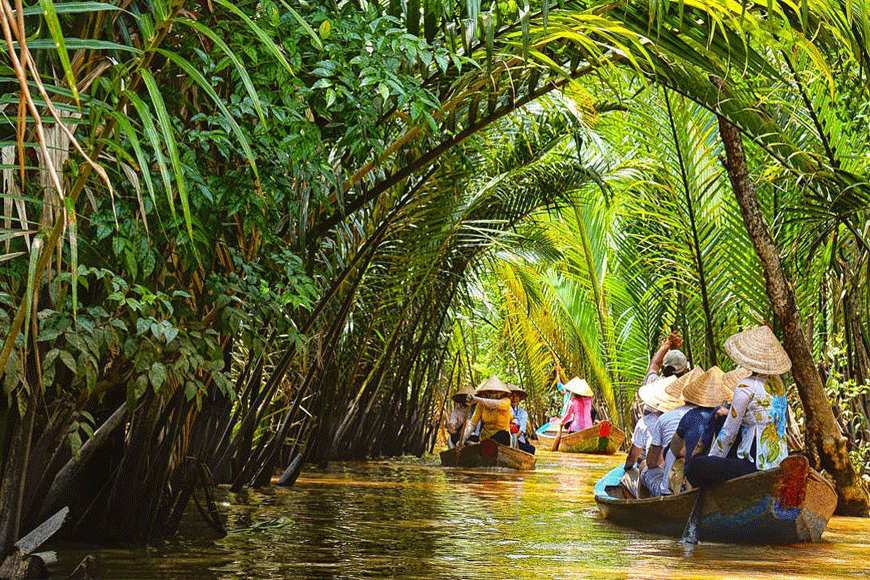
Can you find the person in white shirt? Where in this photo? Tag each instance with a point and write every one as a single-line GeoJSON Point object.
{"type": "Point", "coordinates": [653, 476]}
{"type": "Point", "coordinates": [520, 422]}
{"type": "Point", "coordinates": [656, 401]}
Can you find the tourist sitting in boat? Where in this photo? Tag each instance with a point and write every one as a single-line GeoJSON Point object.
{"type": "Point", "coordinates": [579, 415]}
{"type": "Point", "coordinates": [460, 413]}
{"type": "Point", "coordinates": [655, 402]}
{"type": "Point", "coordinates": [520, 422]}
{"type": "Point", "coordinates": [709, 392]}
{"type": "Point", "coordinates": [758, 410]}
{"type": "Point", "coordinates": [653, 476]}
{"type": "Point", "coordinates": [492, 412]}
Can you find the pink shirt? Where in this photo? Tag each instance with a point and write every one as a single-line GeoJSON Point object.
{"type": "Point", "coordinates": [580, 414]}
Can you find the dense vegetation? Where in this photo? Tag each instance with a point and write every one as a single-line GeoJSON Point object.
{"type": "Point", "coordinates": [243, 236]}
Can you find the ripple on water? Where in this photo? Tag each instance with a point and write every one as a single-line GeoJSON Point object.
{"type": "Point", "coordinates": [410, 518]}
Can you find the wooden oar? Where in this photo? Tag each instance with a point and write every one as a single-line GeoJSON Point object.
{"type": "Point", "coordinates": [690, 532]}
{"type": "Point", "coordinates": [558, 439]}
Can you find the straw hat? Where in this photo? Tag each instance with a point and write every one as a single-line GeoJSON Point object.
{"type": "Point", "coordinates": [731, 379]}
{"type": "Point", "coordinates": [655, 395]}
{"type": "Point", "coordinates": [462, 394]}
{"type": "Point", "coordinates": [579, 387]}
{"type": "Point", "coordinates": [675, 389]}
{"type": "Point", "coordinates": [519, 391]}
{"type": "Point", "coordinates": [706, 389]}
{"type": "Point", "coordinates": [493, 385]}
{"type": "Point", "coordinates": [758, 350]}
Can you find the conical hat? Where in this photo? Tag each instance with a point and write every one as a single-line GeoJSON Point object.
{"type": "Point", "coordinates": [707, 390]}
{"type": "Point", "coordinates": [492, 384]}
{"type": "Point", "coordinates": [758, 350]}
{"type": "Point", "coordinates": [579, 387]}
{"type": "Point", "coordinates": [675, 389]}
{"type": "Point", "coordinates": [460, 395]}
{"type": "Point", "coordinates": [731, 379]}
{"type": "Point", "coordinates": [654, 394]}
{"type": "Point", "coordinates": [518, 390]}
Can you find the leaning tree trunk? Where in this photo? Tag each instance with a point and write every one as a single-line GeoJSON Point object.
{"type": "Point", "coordinates": [825, 443]}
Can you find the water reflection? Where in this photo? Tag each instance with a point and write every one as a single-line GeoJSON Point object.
{"type": "Point", "coordinates": [409, 518]}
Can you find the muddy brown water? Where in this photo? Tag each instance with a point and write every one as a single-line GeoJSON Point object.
{"type": "Point", "coordinates": [410, 518]}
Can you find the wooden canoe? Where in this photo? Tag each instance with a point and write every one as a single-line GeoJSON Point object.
{"type": "Point", "coordinates": [488, 453]}
{"type": "Point", "coordinates": [602, 439]}
{"type": "Point", "coordinates": [786, 505]}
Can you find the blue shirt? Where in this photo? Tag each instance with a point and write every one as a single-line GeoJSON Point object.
{"type": "Point", "coordinates": [693, 427]}
{"type": "Point", "coordinates": [521, 418]}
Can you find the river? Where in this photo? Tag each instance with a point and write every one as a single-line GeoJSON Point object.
{"type": "Point", "coordinates": [410, 518]}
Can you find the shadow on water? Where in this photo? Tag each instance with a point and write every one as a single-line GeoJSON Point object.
{"type": "Point", "coordinates": [410, 518]}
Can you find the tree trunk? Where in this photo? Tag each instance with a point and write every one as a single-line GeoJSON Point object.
{"type": "Point", "coordinates": [826, 445]}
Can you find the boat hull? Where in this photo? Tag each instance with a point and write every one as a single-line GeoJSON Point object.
{"type": "Point", "coordinates": [600, 439]}
{"type": "Point", "coordinates": [787, 505]}
{"type": "Point", "coordinates": [488, 453]}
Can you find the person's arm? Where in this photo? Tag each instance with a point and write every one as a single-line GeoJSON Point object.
{"type": "Point", "coordinates": [471, 423]}
{"type": "Point", "coordinates": [633, 455]}
{"type": "Point", "coordinates": [654, 456]}
{"type": "Point", "coordinates": [678, 446]}
{"type": "Point", "coordinates": [492, 403]}
{"type": "Point", "coordinates": [674, 340]}
{"type": "Point", "coordinates": [722, 444]}
{"type": "Point", "coordinates": [654, 453]}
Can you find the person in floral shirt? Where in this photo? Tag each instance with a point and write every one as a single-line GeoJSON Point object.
{"type": "Point", "coordinates": [758, 412]}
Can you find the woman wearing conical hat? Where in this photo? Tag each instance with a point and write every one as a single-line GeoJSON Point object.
{"type": "Point", "coordinates": [758, 412]}
{"type": "Point", "coordinates": [458, 416]}
{"type": "Point", "coordinates": [579, 415]}
{"type": "Point", "coordinates": [493, 412]}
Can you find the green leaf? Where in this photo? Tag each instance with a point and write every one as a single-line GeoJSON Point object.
{"type": "Point", "coordinates": [68, 360]}
{"type": "Point", "coordinates": [50, 14]}
{"type": "Point", "coordinates": [169, 334]}
{"type": "Point", "coordinates": [240, 68]}
{"type": "Point", "coordinates": [165, 123]}
{"type": "Point", "coordinates": [124, 123]}
{"type": "Point", "coordinates": [268, 44]}
{"type": "Point", "coordinates": [206, 86]}
{"type": "Point", "coordinates": [151, 132]}
{"type": "Point", "coordinates": [74, 8]}
{"type": "Point", "coordinates": [307, 28]}
{"type": "Point", "coordinates": [157, 375]}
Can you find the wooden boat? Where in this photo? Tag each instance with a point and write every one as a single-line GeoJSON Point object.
{"type": "Point", "coordinates": [488, 453]}
{"type": "Point", "coordinates": [603, 439]}
{"type": "Point", "coordinates": [786, 505]}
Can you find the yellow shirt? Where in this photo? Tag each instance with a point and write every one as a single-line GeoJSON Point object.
{"type": "Point", "coordinates": [494, 420]}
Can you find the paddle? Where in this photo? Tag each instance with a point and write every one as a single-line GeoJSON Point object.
{"type": "Point", "coordinates": [558, 439]}
{"type": "Point", "coordinates": [690, 532]}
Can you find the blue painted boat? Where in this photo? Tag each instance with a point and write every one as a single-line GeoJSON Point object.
{"type": "Point", "coordinates": [787, 505]}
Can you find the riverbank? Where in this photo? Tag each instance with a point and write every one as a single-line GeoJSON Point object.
{"type": "Point", "coordinates": [411, 518]}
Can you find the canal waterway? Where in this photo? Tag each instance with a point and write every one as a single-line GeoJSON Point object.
{"type": "Point", "coordinates": [410, 518]}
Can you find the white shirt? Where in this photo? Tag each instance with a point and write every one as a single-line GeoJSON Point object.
{"type": "Point", "coordinates": [456, 419]}
{"type": "Point", "coordinates": [664, 431]}
{"type": "Point", "coordinates": [643, 430]}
